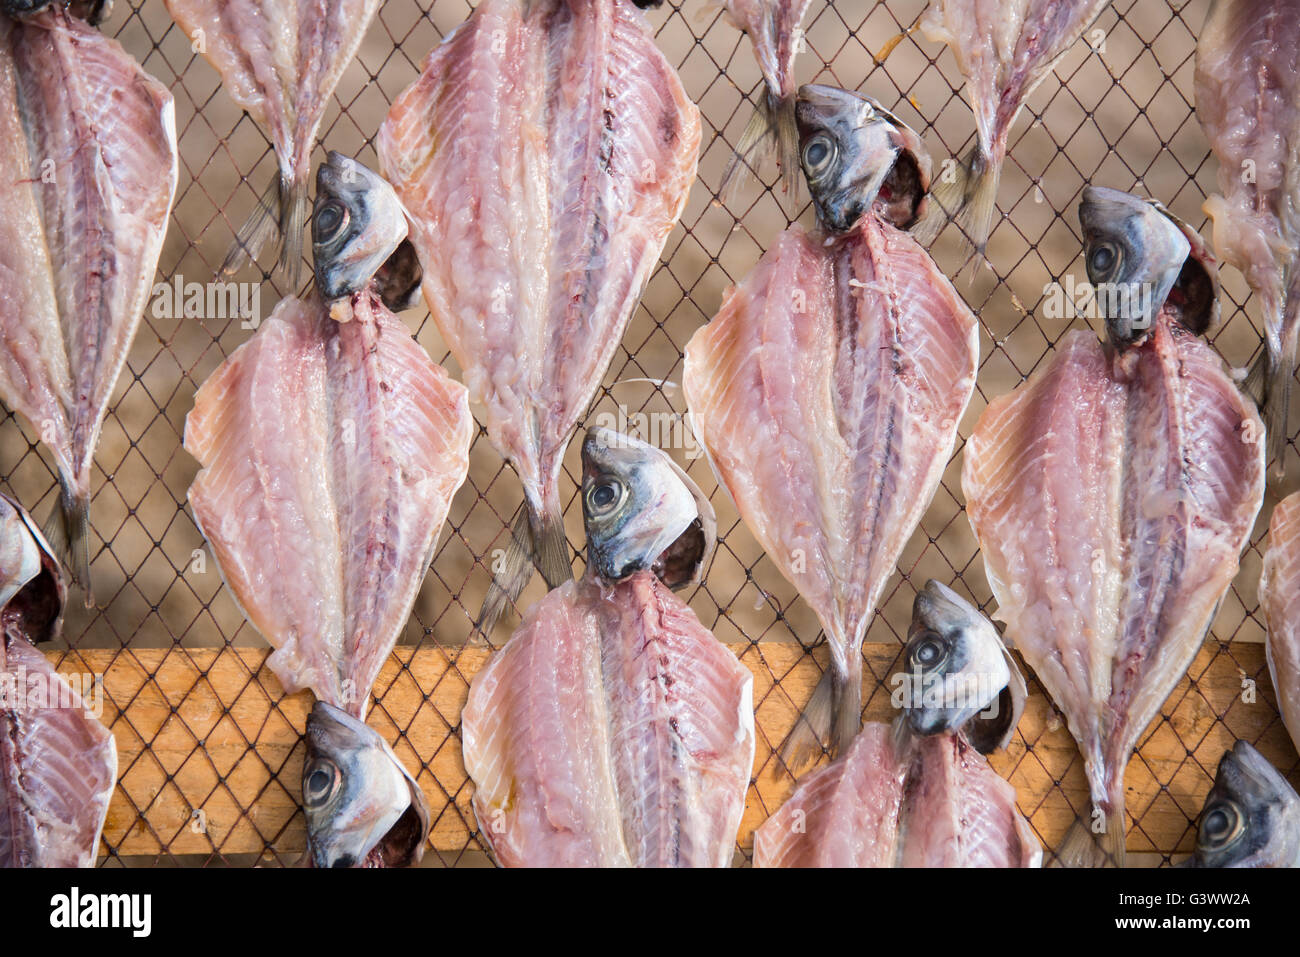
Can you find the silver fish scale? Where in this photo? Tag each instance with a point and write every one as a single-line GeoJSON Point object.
{"type": "Point", "coordinates": [1116, 112]}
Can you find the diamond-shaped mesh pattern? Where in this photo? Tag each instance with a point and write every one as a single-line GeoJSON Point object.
{"type": "Point", "coordinates": [211, 749]}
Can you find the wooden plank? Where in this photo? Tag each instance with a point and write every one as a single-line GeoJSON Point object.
{"type": "Point", "coordinates": [210, 751]}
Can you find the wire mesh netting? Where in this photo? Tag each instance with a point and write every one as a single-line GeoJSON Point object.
{"type": "Point", "coordinates": [210, 748]}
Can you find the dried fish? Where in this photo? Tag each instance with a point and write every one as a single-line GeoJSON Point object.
{"type": "Point", "coordinates": [1004, 50]}
{"type": "Point", "coordinates": [362, 806]}
{"type": "Point", "coordinates": [1248, 101]}
{"type": "Point", "coordinates": [919, 794]}
{"type": "Point", "coordinates": [774, 29]}
{"type": "Point", "coordinates": [88, 169]}
{"type": "Point", "coordinates": [280, 61]}
{"type": "Point", "coordinates": [331, 446]}
{"type": "Point", "coordinates": [564, 117]}
{"type": "Point", "coordinates": [1279, 597]}
{"type": "Point", "coordinates": [828, 389]}
{"type": "Point", "coordinates": [58, 763]}
{"type": "Point", "coordinates": [1251, 816]}
{"type": "Point", "coordinates": [1112, 495]}
{"type": "Point", "coordinates": [613, 729]}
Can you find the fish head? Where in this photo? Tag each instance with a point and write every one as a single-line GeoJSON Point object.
{"type": "Point", "coordinates": [93, 12]}
{"type": "Point", "coordinates": [1251, 816]}
{"type": "Point", "coordinates": [356, 225]}
{"type": "Point", "coordinates": [1140, 261]}
{"type": "Point", "coordinates": [642, 511]}
{"type": "Point", "coordinates": [361, 804]}
{"type": "Point", "coordinates": [955, 668]}
{"type": "Point", "coordinates": [857, 156]}
{"type": "Point", "coordinates": [33, 585]}
{"type": "Point", "coordinates": [23, 8]}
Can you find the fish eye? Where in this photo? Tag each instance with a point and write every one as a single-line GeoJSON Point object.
{"type": "Point", "coordinates": [320, 783]}
{"type": "Point", "coordinates": [1221, 824]}
{"type": "Point", "coordinates": [818, 154]}
{"type": "Point", "coordinates": [330, 220]}
{"type": "Point", "coordinates": [1104, 258]}
{"type": "Point", "coordinates": [605, 496]}
{"type": "Point", "coordinates": [927, 652]}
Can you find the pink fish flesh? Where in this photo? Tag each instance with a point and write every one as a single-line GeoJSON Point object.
{"type": "Point", "coordinates": [330, 454]}
{"type": "Point", "coordinates": [1279, 597]}
{"type": "Point", "coordinates": [88, 170]}
{"type": "Point", "coordinates": [280, 60]}
{"type": "Point", "coordinates": [58, 766]}
{"type": "Point", "coordinates": [827, 392]}
{"type": "Point", "coordinates": [1111, 496]}
{"type": "Point", "coordinates": [937, 804]}
{"type": "Point", "coordinates": [612, 730]}
{"type": "Point", "coordinates": [564, 117]}
{"type": "Point", "coordinates": [1248, 101]}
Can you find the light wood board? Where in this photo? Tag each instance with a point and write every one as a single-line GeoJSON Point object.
{"type": "Point", "coordinates": [211, 734]}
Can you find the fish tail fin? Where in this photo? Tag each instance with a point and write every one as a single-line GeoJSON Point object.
{"type": "Point", "coordinates": [1255, 383]}
{"type": "Point", "coordinates": [551, 545]}
{"type": "Point", "coordinates": [834, 711]}
{"type": "Point", "coordinates": [293, 221]}
{"type": "Point", "coordinates": [1275, 416]}
{"type": "Point", "coordinates": [1094, 840]}
{"type": "Point", "coordinates": [967, 194]}
{"type": "Point", "coordinates": [1277, 390]}
{"type": "Point", "coordinates": [787, 149]}
{"type": "Point", "coordinates": [537, 540]}
{"type": "Point", "coordinates": [1271, 393]}
{"type": "Point", "coordinates": [771, 129]}
{"type": "Point", "coordinates": [804, 744]}
{"type": "Point", "coordinates": [68, 532]}
{"type": "Point", "coordinates": [263, 225]}
{"type": "Point", "coordinates": [510, 576]}
{"type": "Point", "coordinates": [846, 710]}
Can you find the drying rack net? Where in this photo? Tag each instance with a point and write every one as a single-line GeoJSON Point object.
{"type": "Point", "coordinates": [210, 747]}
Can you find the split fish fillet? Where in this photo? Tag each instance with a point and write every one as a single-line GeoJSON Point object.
{"type": "Point", "coordinates": [33, 587]}
{"type": "Point", "coordinates": [612, 730]}
{"type": "Point", "coordinates": [774, 29]}
{"type": "Point", "coordinates": [960, 813]}
{"type": "Point", "coordinates": [848, 811]}
{"type": "Point", "coordinates": [1248, 101]}
{"type": "Point", "coordinates": [58, 764]}
{"type": "Point", "coordinates": [827, 392]}
{"type": "Point", "coordinates": [88, 170]}
{"type": "Point", "coordinates": [544, 155]}
{"type": "Point", "coordinates": [330, 455]}
{"type": "Point", "coordinates": [938, 804]}
{"type": "Point", "coordinates": [58, 768]}
{"type": "Point", "coordinates": [1004, 50]}
{"type": "Point", "coordinates": [280, 60]}
{"type": "Point", "coordinates": [1279, 596]}
{"type": "Point", "coordinates": [1111, 496]}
